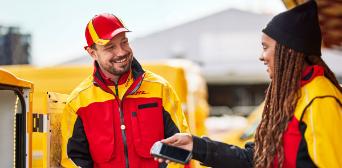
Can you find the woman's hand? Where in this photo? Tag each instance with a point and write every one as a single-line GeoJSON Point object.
{"type": "Point", "coordinates": [181, 140]}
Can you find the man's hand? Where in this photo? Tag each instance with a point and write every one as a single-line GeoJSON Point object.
{"type": "Point", "coordinates": [181, 140]}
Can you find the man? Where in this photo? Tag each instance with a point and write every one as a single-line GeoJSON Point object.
{"type": "Point", "coordinates": [115, 115]}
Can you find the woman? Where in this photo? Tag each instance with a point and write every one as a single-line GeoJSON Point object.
{"type": "Point", "coordinates": [301, 123]}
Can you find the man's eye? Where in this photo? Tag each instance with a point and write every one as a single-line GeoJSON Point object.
{"type": "Point", "coordinates": [110, 47]}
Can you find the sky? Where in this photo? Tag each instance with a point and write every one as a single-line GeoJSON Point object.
{"type": "Point", "coordinates": [57, 26]}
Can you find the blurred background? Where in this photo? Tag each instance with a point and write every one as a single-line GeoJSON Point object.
{"type": "Point", "coordinates": [222, 37]}
{"type": "Point", "coordinates": [56, 28]}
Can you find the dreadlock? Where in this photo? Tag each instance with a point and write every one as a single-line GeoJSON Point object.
{"type": "Point", "coordinates": [281, 99]}
{"type": "Point", "coordinates": [280, 103]}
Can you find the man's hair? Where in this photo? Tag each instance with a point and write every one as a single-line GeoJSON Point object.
{"type": "Point", "coordinates": [93, 46]}
{"type": "Point", "coordinates": [281, 100]}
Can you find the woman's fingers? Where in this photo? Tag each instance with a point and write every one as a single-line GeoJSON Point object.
{"type": "Point", "coordinates": [177, 139]}
{"type": "Point", "coordinates": [169, 140]}
{"type": "Point", "coordinates": [160, 160]}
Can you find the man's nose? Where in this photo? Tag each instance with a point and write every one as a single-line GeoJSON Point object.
{"type": "Point", "coordinates": [261, 58]}
{"type": "Point", "coordinates": [120, 51]}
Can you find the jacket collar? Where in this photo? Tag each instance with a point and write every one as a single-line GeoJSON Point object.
{"type": "Point", "coordinates": [103, 82]}
{"type": "Point", "coordinates": [310, 73]}
{"type": "Point", "coordinates": [107, 81]}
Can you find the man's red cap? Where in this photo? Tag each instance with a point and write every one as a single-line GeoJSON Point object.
{"type": "Point", "coordinates": [102, 28]}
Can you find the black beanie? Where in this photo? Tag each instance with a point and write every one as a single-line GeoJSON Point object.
{"type": "Point", "coordinates": [297, 29]}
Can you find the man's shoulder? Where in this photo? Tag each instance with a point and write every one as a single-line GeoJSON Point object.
{"type": "Point", "coordinates": [155, 78]}
{"type": "Point", "coordinates": [85, 84]}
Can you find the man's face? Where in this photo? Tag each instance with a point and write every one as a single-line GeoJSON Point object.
{"type": "Point", "coordinates": [115, 57]}
{"type": "Point", "coordinates": [267, 56]}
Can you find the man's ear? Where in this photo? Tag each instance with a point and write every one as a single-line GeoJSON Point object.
{"type": "Point", "coordinates": [92, 52]}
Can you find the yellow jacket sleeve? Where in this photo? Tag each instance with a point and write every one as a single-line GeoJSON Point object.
{"type": "Point", "coordinates": [67, 125]}
{"type": "Point", "coordinates": [324, 132]}
{"type": "Point", "coordinates": [172, 104]}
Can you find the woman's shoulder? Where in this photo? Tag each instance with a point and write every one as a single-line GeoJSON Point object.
{"type": "Point", "coordinates": [321, 86]}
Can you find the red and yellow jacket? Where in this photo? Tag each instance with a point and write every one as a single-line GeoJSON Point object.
{"type": "Point", "coordinates": [312, 139]}
{"type": "Point", "coordinates": [108, 125]}
{"type": "Point", "coordinates": [314, 134]}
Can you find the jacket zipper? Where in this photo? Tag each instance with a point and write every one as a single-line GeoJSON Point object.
{"type": "Point", "coordinates": [124, 139]}
{"type": "Point", "coordinates": [122, 125]}
{"type": "Point", "coordinates": [122, 121]}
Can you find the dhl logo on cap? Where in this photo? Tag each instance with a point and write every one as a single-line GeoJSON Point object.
{"type": "Point", "coordinates": [102, 28]}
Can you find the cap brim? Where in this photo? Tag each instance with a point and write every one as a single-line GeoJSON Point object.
{"type": "Point", "coordinates": [113, 34]}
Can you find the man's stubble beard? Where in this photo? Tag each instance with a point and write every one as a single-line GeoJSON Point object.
{"type": "Point", "coordinates": [116, 72]}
